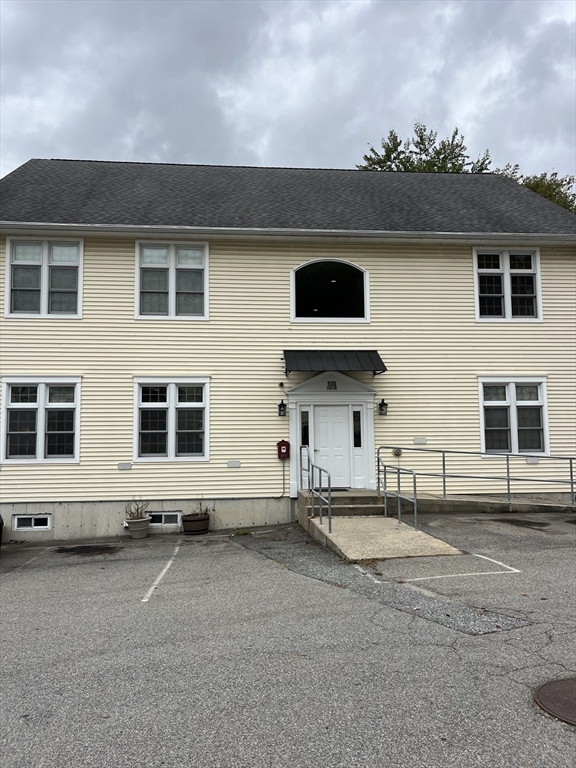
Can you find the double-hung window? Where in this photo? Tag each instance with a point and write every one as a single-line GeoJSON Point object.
{"type": "Point", "coordinates": [172, 281]}
{"type": "Point", "coordinates": [172, 419]}
{"type": "Point", "coordinates": [44, 278]}
{"type": "Point", "coordinates": [40, 419]}
{"type": "Point", "coordinates": [507, 285]}
{"type": "Point", "coordinates": [513, 415]}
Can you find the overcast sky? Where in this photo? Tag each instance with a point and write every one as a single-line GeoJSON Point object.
{"type": "Point", "coordinates": [308, 83]}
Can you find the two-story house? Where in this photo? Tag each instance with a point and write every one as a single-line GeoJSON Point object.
{"type": "Point", "coordinates": [164, 326]}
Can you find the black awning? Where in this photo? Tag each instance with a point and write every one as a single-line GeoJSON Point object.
{"type": "Point", "coordinates": [333, 360]}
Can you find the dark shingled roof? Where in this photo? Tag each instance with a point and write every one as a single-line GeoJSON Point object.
{"type": "Point", "coordinates": [204, 196]}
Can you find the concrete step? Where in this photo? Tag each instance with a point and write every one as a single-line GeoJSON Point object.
{"type": "Point", "coordinates": [350, 510]}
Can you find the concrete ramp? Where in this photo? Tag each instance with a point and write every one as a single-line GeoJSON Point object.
{"type": "Point", "coordinates": [376, 538]}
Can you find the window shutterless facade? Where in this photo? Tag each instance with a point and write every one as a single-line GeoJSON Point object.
{"type": "Point", "coordinates": [330, 291]}
{"type": "Point", "coordinates": [172, 281]}
{"type": "Point", "coordinates": [44, 278]}
{"type": "Point", "coordinates": [40, 419]}
{"type": "Point", "coordinates": [507, 285]}
{"type": "Point", "coordinates": [513, 415]}
{"type": "Point", "coordinates": [171, 419]}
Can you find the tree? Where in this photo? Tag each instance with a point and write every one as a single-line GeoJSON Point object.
{"type": "Point", "coordinates": [558, 189]}
{"type": "Point", "coordinates": [423, 154]}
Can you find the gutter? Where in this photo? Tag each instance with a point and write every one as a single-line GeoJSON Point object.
{"type": "Point", "coordinates": [257, 233]}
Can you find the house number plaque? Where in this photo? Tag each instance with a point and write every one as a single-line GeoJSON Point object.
{"type": "Point", "coordinates": [331, 385]}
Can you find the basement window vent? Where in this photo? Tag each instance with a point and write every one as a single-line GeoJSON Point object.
{"type": "Point", "coordinates": [165, 518]}
{"type": "Point", "coordinates": [27, 522]}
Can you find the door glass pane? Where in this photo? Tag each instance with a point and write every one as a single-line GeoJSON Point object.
{"type": "Point", "coordinates": [150, 255]}
{"type": "Point", "coordinates": [154, 304]}
{"type": "Point", "coordinates": [64, 254]}
{"type": "Point", "coordinates": [357, 423]}
{"type": "Point", "coordinates": [305, 428]}
{"type": "Point", "coordinates": [526, 391]}
{"type": "Point", "coordinates": [191, 256]}
{"type": "Point", "coordinates": [27, 252]}
{"type": "Point", "coordinates": [189, 304]}
{"type": "Point", "coordinates": [494, 392]}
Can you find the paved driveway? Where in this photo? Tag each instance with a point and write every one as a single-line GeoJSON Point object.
{"type": "Point", "coordinates": [264, 650]}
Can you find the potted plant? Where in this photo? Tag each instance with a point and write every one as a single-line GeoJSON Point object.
{"type": "Point", "coordinates": [137, 518]}
{"type": "Point", "coordinates": [198, 520]}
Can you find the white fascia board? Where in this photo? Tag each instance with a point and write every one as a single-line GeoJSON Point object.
{"type": "Point", "coordinates": [249, 233]}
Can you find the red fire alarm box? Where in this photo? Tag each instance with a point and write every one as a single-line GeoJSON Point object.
{"type": "Point", "coordinates": [283, 449]}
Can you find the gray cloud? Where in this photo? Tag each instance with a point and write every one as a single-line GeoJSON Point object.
{"type": "Point", "coordinates": [304, 83]}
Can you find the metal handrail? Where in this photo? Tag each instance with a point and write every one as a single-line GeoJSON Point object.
{"type": "Point", "coordinates": [383, 490]}
{"type": "Point", "coordinates": [310, 468]}
{"type": "Point", "coordinates": [507, 478]}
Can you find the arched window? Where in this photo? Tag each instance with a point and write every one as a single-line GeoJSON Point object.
{"type": "Point", "coordinates": [330, 289]}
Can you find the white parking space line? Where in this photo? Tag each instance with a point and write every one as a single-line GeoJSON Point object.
{"type": "Point", "coordinates": [369, 575]}
{"type": "Point", "coordinates": [164, 571]}
{"type": "Point", "coordinates": [19, 568]}
{"type": "Point", "coordinates": [509, 569]}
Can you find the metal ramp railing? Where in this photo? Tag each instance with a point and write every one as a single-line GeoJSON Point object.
{"type": "Point", "coordinates": [507, 477]}
{"type": "Point", "coordinates": [384, 490]}
{"type": "Point", "coordinates": [316, 490]}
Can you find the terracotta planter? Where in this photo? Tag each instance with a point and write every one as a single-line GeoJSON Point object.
{"type": "Point", "coordinates": [139, 528]}
{"type": "Point", "coordinates": [193, 526]}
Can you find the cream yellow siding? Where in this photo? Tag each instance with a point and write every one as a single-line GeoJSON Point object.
{"type": "Point", "coordinates": [422, 323]}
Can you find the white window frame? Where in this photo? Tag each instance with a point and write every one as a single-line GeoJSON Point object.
{"type": "Point", "coordinates": [511, 403]}
{"type": "Point", "coordinates": [505, 271]}
{"type": "Point", "coordinates": [341, 320]}
{"type": "Point", "coordinates": [42, 406]}
{"type": "Point", "coordinates": [172, 251]}
{"type": "Point", "coordinates": [164, 524]}
{"type": "Point", "coordinates": [172, 382]}
{"type": "Point", "coordinates": [45, 243]}
{"type": "Point", "coordinates": [16, 527]}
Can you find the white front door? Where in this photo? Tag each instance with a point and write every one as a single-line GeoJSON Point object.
{"type": "Point", "coordinates": [332, 445]}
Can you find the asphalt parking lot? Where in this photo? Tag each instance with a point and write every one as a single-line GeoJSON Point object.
{"type": "Point", "coordinates": [264, 650]}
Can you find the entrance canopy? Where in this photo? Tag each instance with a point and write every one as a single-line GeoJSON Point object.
{"type": "Point", "coordinates": [333, 360]}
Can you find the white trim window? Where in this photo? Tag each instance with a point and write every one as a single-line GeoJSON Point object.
{"type": "Point", "coordinates": [507, 284]}
{"type": "Point", "coordinates": [329, 291]}
{"type": "Point", "coordinates": [513, 414]}
{"type": "Point", "coordinates": [172, 281]}
{"type": "Point", "coordinates": [171, 420]}
{"type": "Point", "coordinates": [31, 522]}
{"type": "Point", "coordinates": [40, 419]}
{"type": "Point", "coordinates": [44, 278]}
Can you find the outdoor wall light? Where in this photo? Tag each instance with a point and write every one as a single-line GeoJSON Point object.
{"type": "Point", "coordinates": [281, 408]}
{"type": "Point", "coordinates": [382, 408]}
